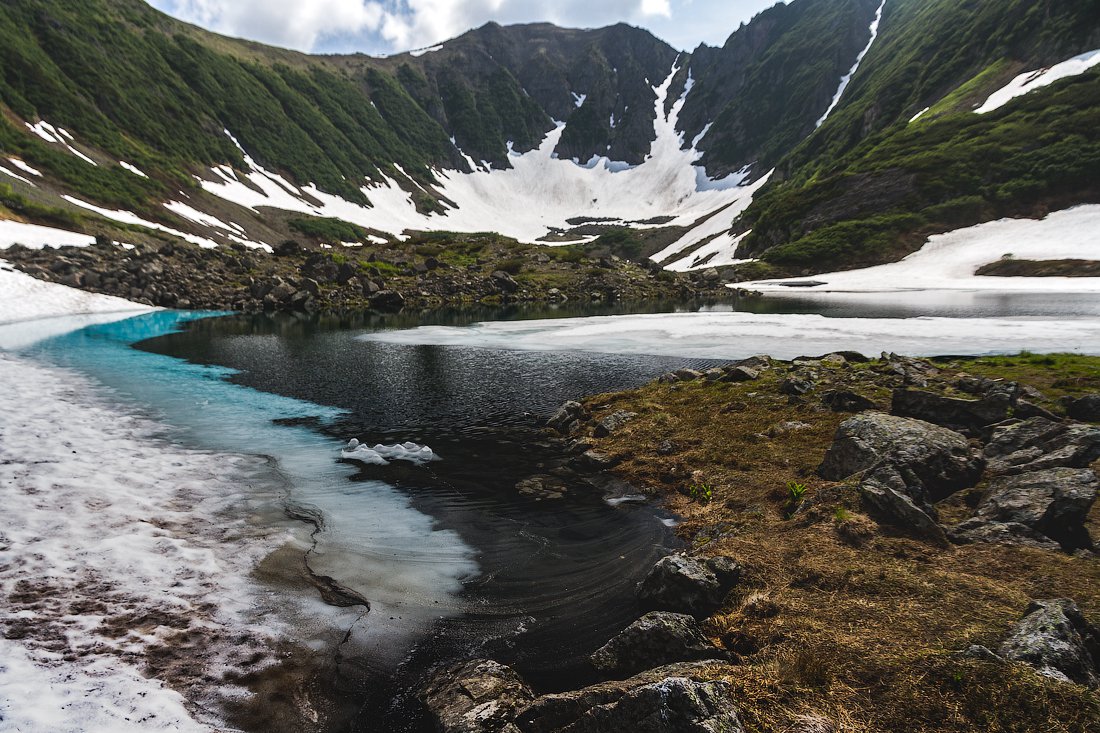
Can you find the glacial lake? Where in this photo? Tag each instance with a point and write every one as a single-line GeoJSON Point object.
{"type": "Point", "coordinates": [455, 562]}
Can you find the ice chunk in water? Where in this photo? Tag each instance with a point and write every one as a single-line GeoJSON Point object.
{"type": "Point", "coordinates": [381, 455]}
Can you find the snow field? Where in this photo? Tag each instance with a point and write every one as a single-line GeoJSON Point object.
{"type": "Point", "coordinates": [117, 544]}
{"type": "Point", "coordinates": [949, 261]}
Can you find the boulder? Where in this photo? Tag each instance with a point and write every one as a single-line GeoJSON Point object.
{"type": "Point", "coordinates": [675, 699]}
{"type": "Point", "coordinates": [1085, 408]}
{"type": "Point", "coordinates": [1054, 503]}
{"type": "Point", "coordinates": [933, 462]}
{"type": "Point", "coordinates": [739, 374]}
{"type": "Point", "coordinates": [688, 375]}
{"type": "Point", "coordinates": [686, 585]}
{"type": "Point", "coordinates": [1039, 443]}
{"type": "Point", "coordinates": [1026, 409]}
{"type": "Point", "coordinates": [479, 696]}
{"type": "Point", "coordinates": [796, 386]}
{"type": "Point", "coordinates": [888, 498]}
{"type": "Point", "coordinates": [613, 422]}
{"type": "Point", "coordinates": [568, 418]}
{"type": "Point", "coordinates": [975, 530]}
{"type": "Point", "coordinates": [951, 411]}
{"type": "Point", "coordinates": [504, 282]}
{"type": "Point", "coordinates": [1056, 639]}
{"type": "Point", "coordinates": [387, 300]}
{"type": "Point", "coordinates": [845, 401]}
{"type": "Point", "coordinates": [757, 363]}
{"type": "Point", "coordinates": [656, 639]}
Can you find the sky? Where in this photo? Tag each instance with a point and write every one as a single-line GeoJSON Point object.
{"type": "Point", "coordinates": [391, 26]}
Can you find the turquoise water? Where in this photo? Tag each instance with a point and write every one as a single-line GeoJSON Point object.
{"type": "Point", "coordinates": [373, 541]}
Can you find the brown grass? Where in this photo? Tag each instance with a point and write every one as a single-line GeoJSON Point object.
{"type": "Point", "coordinates": [837, 619]}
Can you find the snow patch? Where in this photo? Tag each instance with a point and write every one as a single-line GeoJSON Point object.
{"type": "Point", "coordinates": [578, 99]}
{"type": "Point", "coordinates": [1031, 80]}
{"type": "Point", "coordinates": [16, 176]}
{"type": "Point", "coordinates": [127, 217]}
{"type": "Point", "coordinates": [421, 51]}
{"type": "Point", "coordinates": [949, 261]}
{"type": "Point", "coordinates": [847, 78]}
{"type": "Point", "coordinates": [24, 167]}
{"type": "Point", "coordinates": [34, 236]}
{"type": "Point", "coordinates": [918, 115]}
{"type": "Point", "coordinates": [132, 168]}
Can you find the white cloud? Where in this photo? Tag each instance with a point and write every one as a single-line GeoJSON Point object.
{"type": "Point", "coordinates": [397, 25]}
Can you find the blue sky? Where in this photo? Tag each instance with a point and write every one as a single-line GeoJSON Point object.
{"type": "Point", "coordinates": [390, 26]}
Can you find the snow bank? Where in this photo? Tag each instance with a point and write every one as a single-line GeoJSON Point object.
{"type": "Point", "coordinates": [381, 455]}
{"type": "Point", "coordinates": [1031, 80]}
{"type": "Point", "coordinates": [127, 217]}
{"type": "Point", "coordinates": [739, 335]}
{"type": "Point", "coordinates": [949, 261]}
{"type": "Point", "coordinates": [847, 78]}
{"type": "Point", "coordinates": [37, 237]}
{"type": "Point", "coordinates": [118, 549]}
{"type": "Point", "coordinates": [538, 194]}
{"type": "Point", "coordinates": [23, 298]}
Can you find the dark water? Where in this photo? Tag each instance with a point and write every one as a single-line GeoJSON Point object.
{"type": "Point", "coordinates": [555, 578]}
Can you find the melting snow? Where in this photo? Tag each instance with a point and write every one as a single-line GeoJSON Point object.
{"type": "Point", "coordinates": [16, 176]}
{"type": "Point", "coordinates": [949, 261]}
{"type": "Point", "coordinates": [844, 80]}
{"type": "Point", "coordinates": [422, 51]}
{"type": "Point", "coordinates": [1032, 80]}
{"type": "Point", "coordinates": [918, 115]}
{"type": "Point", "coordinates": [105, 522]}
{"type": "Point", "coordinates": [578, 99]}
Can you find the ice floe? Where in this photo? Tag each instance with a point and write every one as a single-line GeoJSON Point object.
{"type": "Point", "coordinates": [1029, 81]}
{"type": "Point", "coordinates": [381, 455]}
{"type": "Point", "coordinates": [740, 335]}
{"type": "Point", "coordinates": [949, 261]}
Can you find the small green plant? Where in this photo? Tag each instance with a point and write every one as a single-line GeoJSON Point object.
{"type": "Point", "coordinates": [841, 514]}
{"type": "Point", "coordinates": [796, 493]}
{"type": "Point", "coordinates": [702, 493]}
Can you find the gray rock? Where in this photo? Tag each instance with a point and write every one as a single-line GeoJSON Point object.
{"type": "Point", "coordinates": [1025, 409]}
{"type": "Point", "coordinates": [566, 416]}
{"type": "Point", "coordinates": [674, 699]}
{"type": "Point", "coordinates": [740, 374]}
{"type": "Point", "coordinates": [1085, 408]}
{"type": "Point", "coordinates": [541, 487]}
{"type": "Point", "coordinates": [933, 462]}
{"type": "Point", "coordinates": [480, 696]}
{"type": "Point", "coordinates": [688, 375]}
{"type": "Point", "coordinates": [656, 639]}
{"type": "Point", "coordinates": [950, 411]}
{"type": "Point", "coordinates": [976, 530]}
{"type": "Point", "coordinates": [1054, 502]}
{"type": "Point", "coordinates": [845, 401]}
{"type": "Point", "coordinates": [1056, 639]}
{"type": "Point", "coordinates": [834, 360]}
{"type": "Point", "coordinates": [1039, 443]}
{"type": "Point", "coordinates": [893, 504]}
{"type": "Point", "coordinates": [796, 386]}
{"type": "Point", "coordinates": [757, 363]}
{"type": "Point", "coordinates": [613, 422]}
{"type": "Point", "coordinates": [504, 282]}
{"type": "Point", "coordinates": [387, 300]}
{"type": "Point", "coordinates": [595, 460]}
{"type": "Point", "coordinates": [725, 568]}
{"type": "Point", "coordinates": [684, 585]}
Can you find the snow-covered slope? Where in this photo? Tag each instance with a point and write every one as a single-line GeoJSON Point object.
{"type": "Point", "coordinates": [538, 195]}
{"type": "Point", "coordinates": [949, 261]}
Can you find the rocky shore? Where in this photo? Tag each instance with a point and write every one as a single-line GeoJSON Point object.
{"type": "Point", "coordinates": [872, 545]}
{"type": "Point", "coordinates": [426, 271]}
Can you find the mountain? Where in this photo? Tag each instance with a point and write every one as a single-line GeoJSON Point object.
{"type": "Point", "coordinates": [797, 143]}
